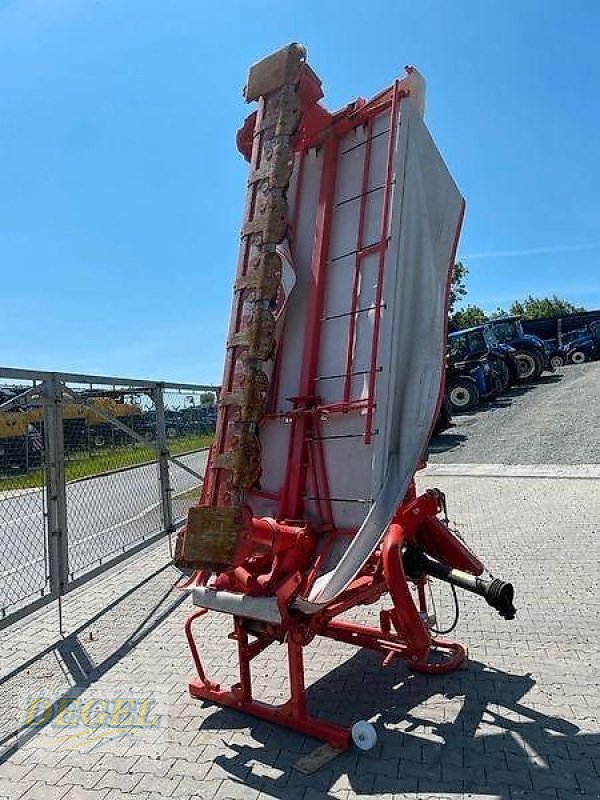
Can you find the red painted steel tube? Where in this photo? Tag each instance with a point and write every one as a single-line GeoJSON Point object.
{"type": "Point", "coordinates": [358, 261]}
{"type": "Point", "coordinates": [382, 253]}
{"type": "Point", "coordinates": [436, 540]}
{"type": "Point", "coordinates": [187, 627]}
{"type": "Point", "coordinates": [276, 377]}
{"type": "Point", "coordinates": [244, 662]}
{"type": "Point", "coordinates": [295, 481]}
{"type": "Point", "coordinates": [412, 627]}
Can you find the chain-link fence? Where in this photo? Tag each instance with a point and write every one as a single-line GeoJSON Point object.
{"type": "Point", "coordinates": [91, 469]}
{"type": "Point", "coordinates": [24, 557]}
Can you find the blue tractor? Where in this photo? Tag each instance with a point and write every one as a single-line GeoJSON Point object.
{"type": "Point", "coordinates": [557, 350]}
{"type": "Point", "coordinates": [470, 344]}
{"type": "Point", "coordinates": [585, 347]}
{"type": "Point", "coordinates": [531, 354]}
{"type": "Point", "coordinates": [474, 370]}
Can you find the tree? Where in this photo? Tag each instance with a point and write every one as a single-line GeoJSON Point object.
{"type": "Point", "coordinates": [538, 307]}
{"type": "Point", "coordinates": [458, 288]}
{"type": "Point", "coordinates": [467, 318]}
{"type": "Point", "coordinates": [207, 398]}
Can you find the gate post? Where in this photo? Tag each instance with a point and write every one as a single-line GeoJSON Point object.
{"type": "Point", "coordinates": [163, 462]}
{"type": "Point", "coordinates": [56, 493]}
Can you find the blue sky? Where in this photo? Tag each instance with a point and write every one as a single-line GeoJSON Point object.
{"type": "Point", "coordinates": [121, 189]}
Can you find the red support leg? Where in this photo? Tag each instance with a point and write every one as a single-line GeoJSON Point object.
{"type": "Point", "coordinates": [296, 669]}
{"type": "Point", "coordinates": [293, 714]}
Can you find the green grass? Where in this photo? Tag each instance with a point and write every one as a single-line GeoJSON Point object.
{"type": "Point", "coordinates": [84, 464]}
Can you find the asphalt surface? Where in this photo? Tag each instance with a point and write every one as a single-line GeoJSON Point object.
{"type": "Point", "coordinates": [106, 514]}
{"type": "Point", "coordinates": [553, 421]}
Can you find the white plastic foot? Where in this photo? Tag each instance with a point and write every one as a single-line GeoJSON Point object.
{"type": "Point", "coordinates": [364, 735]}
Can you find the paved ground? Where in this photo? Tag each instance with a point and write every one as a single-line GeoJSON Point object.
{"type": "Point", "coordinates": [105, 514]}
{"type": "Point", "coordinates": [520, 720]}
{"type": "Point", "coordinates": [554, 421]}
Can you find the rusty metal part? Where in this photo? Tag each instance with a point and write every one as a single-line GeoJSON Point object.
{"type": "Point", "coordinates": [249, 399]}
{"type": "Point", "coordinates": [210, 537]}
{"type": "Point", "coordinates": [275, 81]}
{"type": "Point", "coordinates": [271, 218]}
{"type": "Point", "coordinates": [277, 165]}
{"type": "Point", "coordinates": [279, 69]}
{"type": "Point", "coordinates": [242, 457]}
{"type": "Point", "coordinates": [282, 114]}
{"type": "Point", "coordinates": [264, 277]}
{"type": "Point", "coordinates": [257, 336]}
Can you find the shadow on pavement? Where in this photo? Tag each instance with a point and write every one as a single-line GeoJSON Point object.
{"type": "Point", "coordinates": [71, 652]}
{"type": "Point", "coordinates": [494, 742]}
{"type": "Point", "coordinates": [447, 440]}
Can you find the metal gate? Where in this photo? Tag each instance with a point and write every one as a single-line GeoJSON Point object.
{"type": "Point", "coordinates": [91, 470]}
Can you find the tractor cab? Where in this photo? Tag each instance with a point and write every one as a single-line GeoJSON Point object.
{"type": "Point", "coordinates": [531, 355]}
{"type": "Point", "coordinates": [471, 344]}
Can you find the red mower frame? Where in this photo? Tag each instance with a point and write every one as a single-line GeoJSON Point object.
{"type": "Point", "coordinates": [402, 630]}
{"type": "Point", "coordinates": [292, 550]}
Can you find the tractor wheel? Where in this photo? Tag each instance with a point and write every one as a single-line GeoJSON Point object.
{"type": "Point", "coordinates": [529, 365]}
{"type": "Point", "coordinates": [463, 394]}
{"type": "Point", "coordinates": [557, 360]}
{"type": "Point", "coordinates": [578, 357]}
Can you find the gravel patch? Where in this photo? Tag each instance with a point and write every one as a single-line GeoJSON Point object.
{"type": "Point", "coordinates": [553, 421]}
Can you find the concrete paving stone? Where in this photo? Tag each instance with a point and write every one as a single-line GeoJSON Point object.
{"type": "Point", "coordinates": [582, 766]}
{"type": "Point", "coordinates": [14, 789]}
{"type": "Point", "coordinates": [174, 751]}
{"type": "Point", "coordinates": [195, 770]}
{"type": "Point", "coordinates": [55, 758]}
{"type": "Point", "coordinates": [588, 784]}
{"type": "Point", "coordinates": [51, 775]}
{"type": "Point", "coordinates": [44, 791]}
{"type": "Point", "coordinates": [162, 785]}
{"type": "Point", "coordinates": [76, 776]}
{"type": "Point", "coordinates": [385, 766]}
{"type": "Point", "coordinates": [79, 793]}
{"type": "Point", "coordinates": [115, 794]}
{"type": "Point", "coordinates": [140, 749]}
{"type": "Point", "coordinates": [15, 772]}
{"type": "Point", "coordinates": [320, 781]}
{"type": "Point", "coordinates": [190, 786]}
{"type": "Point", "coordinates": [543, 779]}
{"type": "Point", "coordinates": [233, 790]}
{"type": "Point", "coordinates": [354, 781]}
{"type": "Point", "coordinates": [289, 793]}
{"type": "Point", "coordinates": [117, 780]}
{"type": "Point", "coordinates": [158, 766]}
{"type": "Point", "coordinates": [115, 763]}
{"type": "Point", "coordinates": [519, 779]}
{"type": "Point", "coordinates": [339, 794]}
